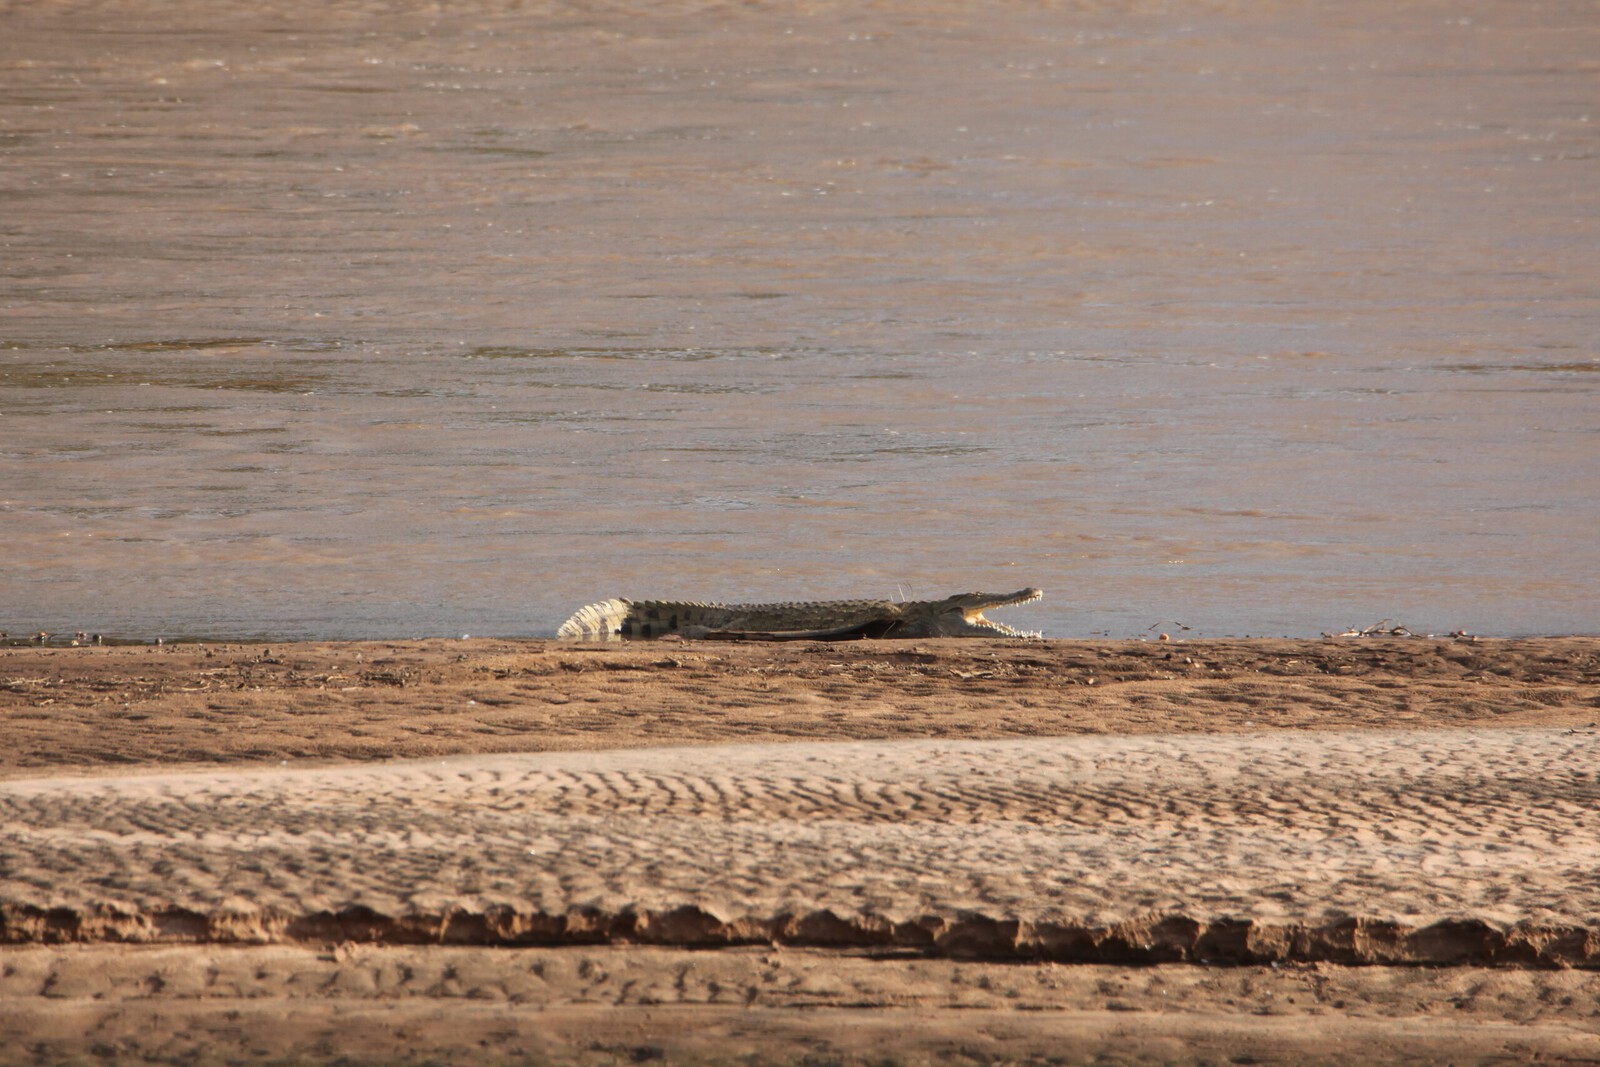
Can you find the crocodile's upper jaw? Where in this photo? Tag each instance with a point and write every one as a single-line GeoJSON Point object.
{"type": "Point", "coordinates": [962, 615]}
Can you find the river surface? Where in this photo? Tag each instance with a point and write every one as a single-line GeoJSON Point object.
{"type": "Point", "coordinates": [356, 319]}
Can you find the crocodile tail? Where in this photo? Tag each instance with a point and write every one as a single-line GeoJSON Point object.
{"type": "Point", "coordinates": [597, 620]}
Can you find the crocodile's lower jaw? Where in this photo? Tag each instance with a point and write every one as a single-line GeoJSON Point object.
{"type": "Point", "coordinates": [1002, 630]}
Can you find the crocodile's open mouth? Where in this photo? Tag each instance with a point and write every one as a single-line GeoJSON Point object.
{"type": "Point", "coordinates": [974, 615]}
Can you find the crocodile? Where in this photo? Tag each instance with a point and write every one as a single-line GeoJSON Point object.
{"type": "Point", "coordinates": [817, 620]}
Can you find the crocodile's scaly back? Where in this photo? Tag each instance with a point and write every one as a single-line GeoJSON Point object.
{"type": "Point", "coordinates": [957, 616]}
{"type": "Point", "coordinates": [646, 619]}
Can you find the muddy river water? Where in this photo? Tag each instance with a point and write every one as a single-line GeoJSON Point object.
{"type": "Point", "coordinates": [358, 319]}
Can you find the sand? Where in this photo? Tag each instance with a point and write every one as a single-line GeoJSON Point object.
{"type": "Point", "coordinates": [939, 851]}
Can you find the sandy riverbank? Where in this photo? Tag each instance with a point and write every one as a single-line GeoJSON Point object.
{"type": "Point", "coordinates": [497, 851]}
